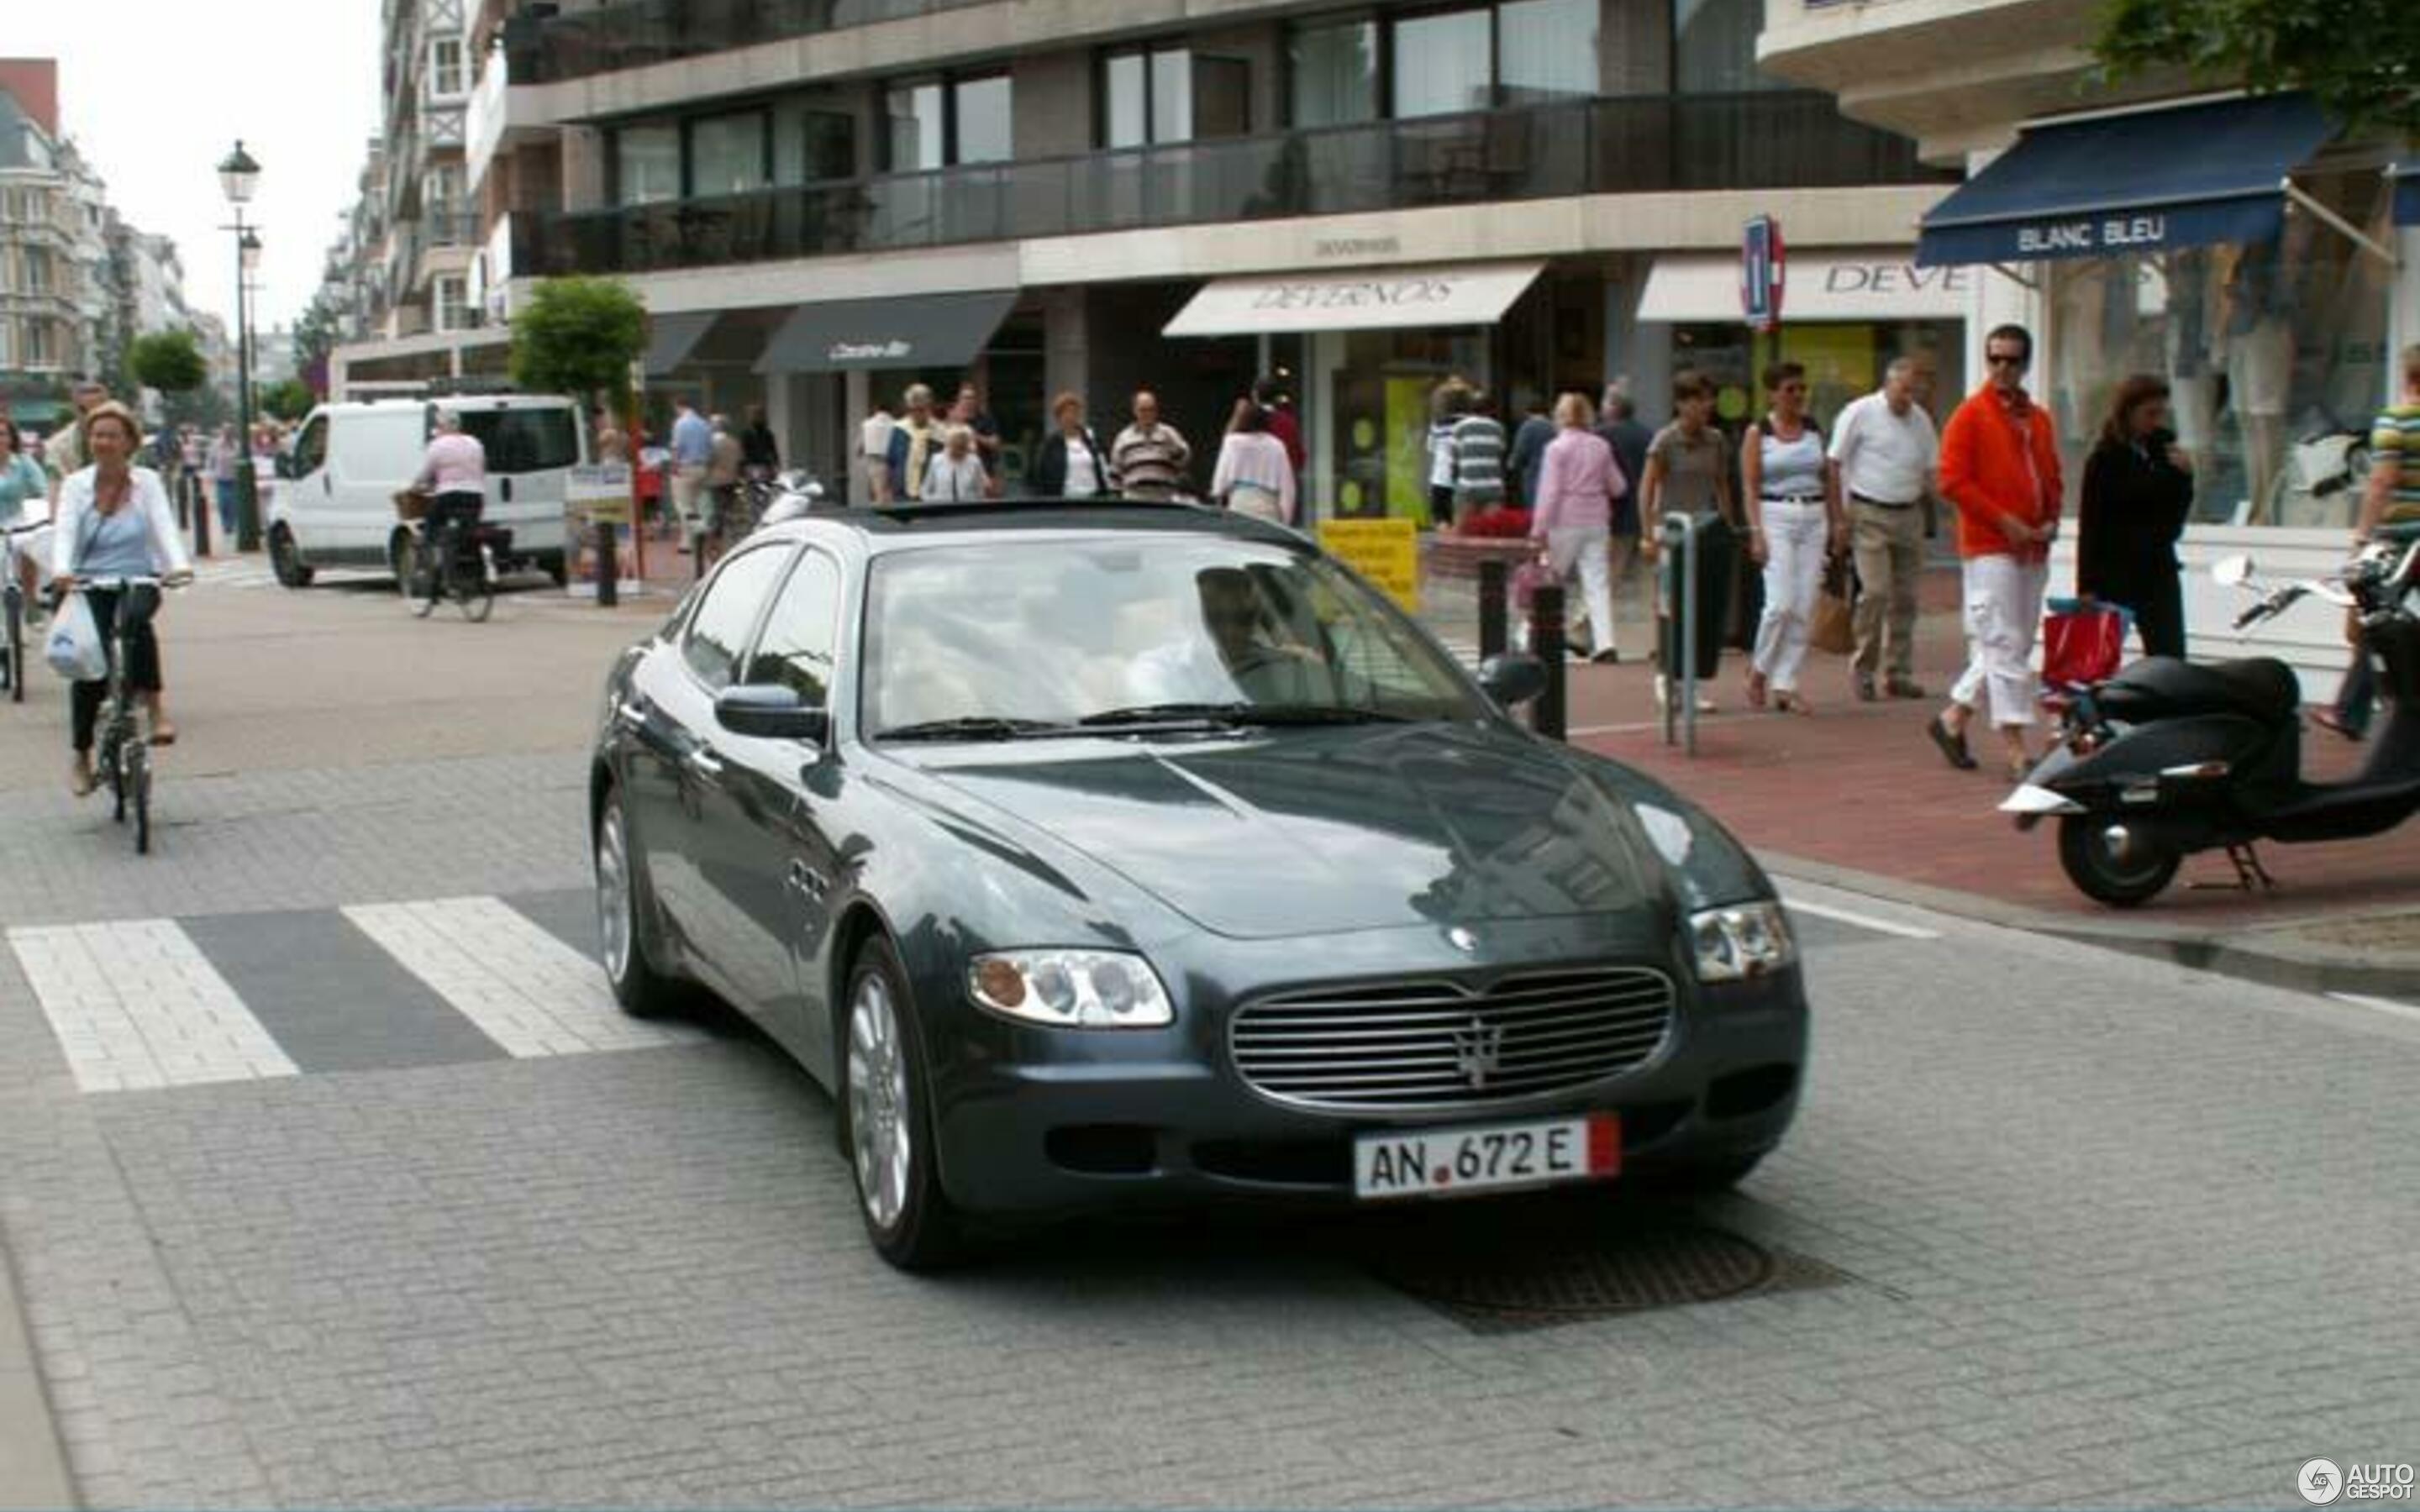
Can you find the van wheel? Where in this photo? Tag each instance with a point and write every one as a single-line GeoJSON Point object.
{"type": "Point", "coordinates": [2119, 864]}
{"type": "Point", "coordinates": [287, 561]}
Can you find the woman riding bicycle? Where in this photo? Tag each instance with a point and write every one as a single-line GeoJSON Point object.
{"type": "Point", "coordinates": [454, 473]}
{"type": "Point", "coordinates": [22, 483]}
{"type": "Point", "coordinates": [115, 520]}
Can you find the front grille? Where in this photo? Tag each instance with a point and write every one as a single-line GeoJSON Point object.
{"type": "Point", "coordinates": [1431, 1044]}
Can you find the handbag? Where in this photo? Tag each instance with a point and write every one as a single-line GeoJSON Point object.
{"type": "Point", "coordinates": [75, 648]}
{"type": "Point", "coordinates": [1527, 578]}
{"type": "Point", "coordinates": [1833, 628]}
{"type": "Point", "coordinates": [2083, 642]}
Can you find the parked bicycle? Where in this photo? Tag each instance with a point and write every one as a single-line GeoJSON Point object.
{"type": "Point", "coordinates": [12, 603]}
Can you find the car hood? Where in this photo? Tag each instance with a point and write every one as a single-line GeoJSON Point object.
{"type": "Point", "coordinates": [1317, 831]}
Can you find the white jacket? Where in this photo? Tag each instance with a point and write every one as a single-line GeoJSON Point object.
{"type": "Point", "coordinates": [150, 495]}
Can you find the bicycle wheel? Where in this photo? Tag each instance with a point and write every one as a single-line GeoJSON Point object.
{"type": "Point", "coordinates": [16, 648]}
{"type": "Point", "coordinates": [112, 768]}
{"type": "Point", "coordinates": [427, 584]}
{"type": "Point", "coordinates": [473, 585]}
{"type": "Point", "coordinates": [138, 781]}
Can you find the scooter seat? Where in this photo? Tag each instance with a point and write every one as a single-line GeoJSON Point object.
{"type": "Point", "coordinates": [2163, 687]}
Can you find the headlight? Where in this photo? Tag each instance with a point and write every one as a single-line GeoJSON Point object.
{"type": "Point", "coordinates": [1071, 989]}
{"type": "Point", "coordinates": [1741, 941]}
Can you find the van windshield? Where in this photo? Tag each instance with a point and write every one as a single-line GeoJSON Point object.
{"type": "Point", "coordinates": [524, 441]}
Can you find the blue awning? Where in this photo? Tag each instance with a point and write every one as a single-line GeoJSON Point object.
{"type": "Point", "coordinates": [2407, 194]}
{"type": "Point", "coordinates": [2184, 177]}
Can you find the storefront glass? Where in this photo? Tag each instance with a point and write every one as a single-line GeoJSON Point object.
{"type": "Point", "coordinates": [1375, 418]}
{"type": "Point", "coordinates": [2264, 346]}
{"type": "Point", "coordinates": [1844, 358]}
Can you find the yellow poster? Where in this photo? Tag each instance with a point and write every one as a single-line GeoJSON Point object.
{"type": "Point", "coordinates": [1386, 551]}
{"type": "Point", "coordinates": [1407, 447]}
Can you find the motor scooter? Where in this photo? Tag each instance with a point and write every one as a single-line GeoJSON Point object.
{"type": "Point", "coordinates": [2169, 758]}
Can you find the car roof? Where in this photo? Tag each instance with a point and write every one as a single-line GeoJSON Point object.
{"type": "Point", "coordinates": [909, 525]}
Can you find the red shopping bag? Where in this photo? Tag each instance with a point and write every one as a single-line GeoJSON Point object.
{"type": "Point", "coordinates": [2082, 644]}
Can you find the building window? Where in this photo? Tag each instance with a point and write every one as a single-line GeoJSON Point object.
{"type": "Point", "coordinates": [1713, 47]}
{"type": "Point", "coordinates": [40, 349]}
{"type": "Point", "coordinates": [37, 271]}
{"type": "Point", "coordinates": [1170, 94]}
{"type": "Point", "coordinates": [1444, 63]}
{"type": "Point", "coordinates": [449, 296]}
{"type": "Point", "coordinates": [730, 154]}
{"type": "Point", "coordinates": [1546, 50]}
{"type": "Point", "coordinates": [812, 145]}
{"type": "Point", "coordinates": [935, 124]}
{"type": "Point", "coordinates": [646, 163]}
{"type": "Point", "coordinates": [441, 193]}
{"type": "Point", "coordinates": [445, 67]}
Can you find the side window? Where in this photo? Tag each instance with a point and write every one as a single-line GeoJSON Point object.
{"type": "Point", "coordinates": [718, 632]}
{"type": "Point", "coordinates": [800, 634]}
{"type": "Point", "coordinates": [311, 448]}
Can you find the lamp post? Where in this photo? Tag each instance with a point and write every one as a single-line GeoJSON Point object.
{"type": "Point", "coordinates": [239, 175]}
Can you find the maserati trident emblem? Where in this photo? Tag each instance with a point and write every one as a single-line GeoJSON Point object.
{"type": "Point", "coordinates": [1478, 1051]}
{"type": "Point", "coordinates": [1462, 939]}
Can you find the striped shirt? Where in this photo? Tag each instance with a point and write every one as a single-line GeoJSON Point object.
{"type": "Point", "coordinates": [1149, 464]}
{"type": "Point", "coordinates": [1478, 460]}
{"type": "Point", "coordinates": [2396, 439]}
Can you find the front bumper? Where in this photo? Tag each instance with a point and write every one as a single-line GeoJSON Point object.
{"type": "Point", "coordinates": [1034, 1121]}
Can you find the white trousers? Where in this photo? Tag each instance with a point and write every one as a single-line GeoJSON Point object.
{"type": "Point", "coordinates": [1793, 576]}
{"type": "Point", "coordinates": [1584, 546]}
{"type": "Point", "coordinates": [2004, 609]}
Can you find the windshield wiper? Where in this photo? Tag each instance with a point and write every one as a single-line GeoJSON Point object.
{"type": "Point", "coordinates": [1238, 713]}
{"type": "Point", "coordinates": [972, 727]}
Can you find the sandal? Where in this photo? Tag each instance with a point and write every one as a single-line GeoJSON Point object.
{"type": "Point", "coordinates": [1953, 746]}
{"type": "Point", "coordinates": [163, 733]}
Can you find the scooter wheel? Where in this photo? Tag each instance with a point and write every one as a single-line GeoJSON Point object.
{"type": "Point", "coordinates": [2114, 862]}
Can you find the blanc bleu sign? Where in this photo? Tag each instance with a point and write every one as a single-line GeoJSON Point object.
{"type": "Point", "coordinates": [2080, 238]}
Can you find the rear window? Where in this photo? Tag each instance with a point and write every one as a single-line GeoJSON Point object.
{"type": "Point", "coordinates": [524, 441]}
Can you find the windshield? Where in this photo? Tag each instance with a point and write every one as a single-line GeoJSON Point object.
{"type": "Point", "coordinates": [1020, 635]}
{"type": "Point", "coordinates": [525, 440]}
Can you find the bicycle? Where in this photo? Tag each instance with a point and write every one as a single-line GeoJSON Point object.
{"type": "Point", "coordinates": [123, 757]}
{"type": "Point", "coordinates": [460, 565]}
{"type": "Point", "coordinates": [12, 603]}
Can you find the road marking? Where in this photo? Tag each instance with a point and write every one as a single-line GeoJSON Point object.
{"type": "Point", "coordinates": [525, 989]}
{"type": "Point", "coordinates": [136, 1005]}
{"type": "Point", "coordinates": [2380, 1003]}
{"type": "Point", "coordinates": [1842, 915]}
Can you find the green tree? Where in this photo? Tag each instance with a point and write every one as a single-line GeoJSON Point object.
{"type": "Point", "coordinates": [2360, 59]}
{"type": "Point", "coordinates": [580, 336]}
{"type": "Point", "coordinates": [289, 399]}
{"type": "Point", "coordinates": [168, 361]}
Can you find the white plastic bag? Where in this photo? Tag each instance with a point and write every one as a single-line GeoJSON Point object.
{"type": "Point", "coordinates": [74, 649]}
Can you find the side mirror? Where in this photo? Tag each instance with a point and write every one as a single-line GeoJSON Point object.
{"type": "Point", "coordinates": [771, 712]}
{"type": "Point", "coordinates": [1513, 678]}
{"type": "Point", "coordinates": [2232, 572]}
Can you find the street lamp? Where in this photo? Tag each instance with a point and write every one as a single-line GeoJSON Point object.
{"type": "Point", "coordinates": [239, 175]}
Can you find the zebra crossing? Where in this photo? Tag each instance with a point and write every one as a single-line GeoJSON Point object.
{"type": "Point", "coordinates": [145, 1004]}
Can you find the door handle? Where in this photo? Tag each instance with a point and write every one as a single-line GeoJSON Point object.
{"type": "Point", "coordinates": [704, 763]}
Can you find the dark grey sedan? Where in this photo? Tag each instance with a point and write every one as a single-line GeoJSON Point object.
{"type": "Point", "coordinates": [1101, 854]}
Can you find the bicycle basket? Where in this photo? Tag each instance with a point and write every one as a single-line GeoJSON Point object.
{"type": "Point", "coordinates": [411, 503]}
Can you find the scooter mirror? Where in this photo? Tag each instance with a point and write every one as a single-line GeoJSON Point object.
{"type": "Point", "coordinates": [2232, 572]}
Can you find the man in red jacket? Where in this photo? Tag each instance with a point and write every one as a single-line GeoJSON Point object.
{"type": "Point", "coordinates": [1999, 466]}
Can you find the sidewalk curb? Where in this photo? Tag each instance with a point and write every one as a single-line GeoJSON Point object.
{"type": "Point", "coordinates": [2276, 961]}
{"type": "Point", "coordinates": [33, 1461]}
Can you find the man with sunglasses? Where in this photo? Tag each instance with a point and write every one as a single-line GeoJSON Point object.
{"type": "Point", "coordinates": [1999, 467]}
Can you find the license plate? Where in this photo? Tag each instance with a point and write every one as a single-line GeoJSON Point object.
{"type": "Point", "coordinates": [1489, 1157]}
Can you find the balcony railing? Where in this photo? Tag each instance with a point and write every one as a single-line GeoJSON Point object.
{"type": "Point", "coordinates": [1622, 144]}
{"type": "Point", "coordinates": [637, 33]}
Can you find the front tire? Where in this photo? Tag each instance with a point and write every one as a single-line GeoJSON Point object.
{"type": "Point", "coordinates": [16, 651]}
{"type": "Point", "coordinates": [138, 778]}
{"type": "Point", "coordinates": [623, 907]}
{"type": "Point", "coordinates": [2110, 861]}
{"type": "Point", "coordinates": [285, 560]}
{"type": "Point", "coordinates": [886, 1099]}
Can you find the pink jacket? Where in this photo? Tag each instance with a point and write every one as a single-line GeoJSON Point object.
{"type": "Point", "coordinates": [1577, 484]}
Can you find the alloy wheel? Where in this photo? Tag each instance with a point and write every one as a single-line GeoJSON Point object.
{"type": "Point", "coordinates": [880, 1115]}
{"type": "Point", "coordinates": [613, 891]}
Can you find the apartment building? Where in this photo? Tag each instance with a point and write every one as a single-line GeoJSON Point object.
{"type": "Point", "coordinates": [44, 333]}
{"type": "Point", "coordinates": [2265, 264]}
{"type": "Point", "coordinates": [821, 203]}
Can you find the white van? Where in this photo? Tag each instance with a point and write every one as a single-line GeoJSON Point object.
{"type": "Point", "coordinates": [336, 504]}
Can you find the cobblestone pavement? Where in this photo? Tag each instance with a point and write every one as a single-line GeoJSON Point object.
{"type": "Point", "coordinates": [428, 1225]}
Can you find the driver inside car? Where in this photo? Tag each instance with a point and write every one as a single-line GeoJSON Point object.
{"type": "Point", "coordinates": [1241, 660]}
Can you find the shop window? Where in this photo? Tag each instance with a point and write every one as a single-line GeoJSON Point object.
{"type": "Point", "coordinates": [1713, 47]}
{"type": "Point", "coordinates": [646, 163]}
{"type": "Point", "coordinates": [1335, 75]}
{"type": "Point", "coordinates": [728, 154]}
{"type": "Point", "coordinates": [1547, 50]}
{"type": "Point", "coordinates": [1171, 94]}
{"type": "Point", "coordinates": [2262, 345]}
{"type": "Point", "coordinates": [1444, 63]}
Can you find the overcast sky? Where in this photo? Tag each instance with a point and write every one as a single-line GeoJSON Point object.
{"type": "Point", "coordinates": [157, 92]}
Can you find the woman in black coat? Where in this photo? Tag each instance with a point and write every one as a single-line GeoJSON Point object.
{"type": "Point", "coordinates": [2138, 489]}
{"type": "Point", "coordinates": [1072, 464]}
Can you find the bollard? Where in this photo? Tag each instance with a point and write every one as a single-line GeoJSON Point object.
{"type": "Point", "coordinates": [202, 507]}
{"type": "Point", "coordinates": [1546, 644]}
{"type": "Point", "coordinates": [1492, 574]}
{"type": "Point", "coordinates": [1678, 538]}
{"type": "Point", "coordinates": [609, 565]}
